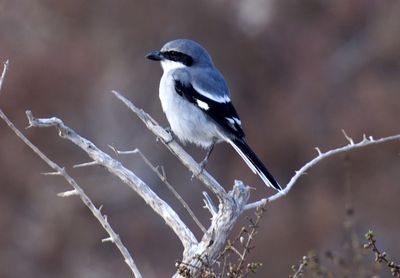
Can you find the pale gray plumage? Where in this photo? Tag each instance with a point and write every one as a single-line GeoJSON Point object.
{"type": "Point", "coordinates": [196, 101]}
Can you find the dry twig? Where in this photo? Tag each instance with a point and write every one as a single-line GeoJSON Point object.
{"type": "Point", "coordinates": [381, 257]}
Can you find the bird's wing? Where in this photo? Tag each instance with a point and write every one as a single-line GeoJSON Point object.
{"type": "Point", "coordinates": [210, 99]}
{"type": "Point", "coordinates": [208, 91]}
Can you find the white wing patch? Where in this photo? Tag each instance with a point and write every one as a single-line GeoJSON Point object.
{"type": "Point", "coordinates": [233, 120]}
{"type": "Point", "coordinates": [230, 120]}
{"type": "Point", "coordinates": [220, 99]}
{"type": "Point", "coordinates": [236, 120]}
{"type": "Point", "coordinates": [202, 104]}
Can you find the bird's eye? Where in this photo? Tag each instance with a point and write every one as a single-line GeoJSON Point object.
{"type": "Point", "coordinates": [174, 55]}
{"type": "Point", "coordinates": [178, 57]}
{"type": "Point", "coordinates": [171, 55]}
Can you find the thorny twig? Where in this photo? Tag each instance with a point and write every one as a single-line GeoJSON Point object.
{"type": "Point", "coordinates": [366, 141]}
{"type": "Point", "coordinates": [381, 257]}
{"type": "Point", "coordinates": [299, 270]}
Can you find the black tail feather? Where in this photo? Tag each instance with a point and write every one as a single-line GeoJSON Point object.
{"type": "Point", "coordinates": [254, 162]}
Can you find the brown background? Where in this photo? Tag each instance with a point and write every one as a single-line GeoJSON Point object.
{"type": "Point", "coordinates": [299, 72]}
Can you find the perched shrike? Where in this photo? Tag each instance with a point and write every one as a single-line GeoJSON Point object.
{"type": "Point", "coordinates": [196, 100]}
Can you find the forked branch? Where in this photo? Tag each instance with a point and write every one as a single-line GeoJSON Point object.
{"type": "Point", "coordinates": [224, 215]}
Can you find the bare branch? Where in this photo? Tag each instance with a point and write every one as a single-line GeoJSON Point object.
{"type": "Point", "coordinates": [323, 155]}
{"type": "Point", "coordinates": [85, 199]}
{"type": "Point", "coordinates": [128, 177]}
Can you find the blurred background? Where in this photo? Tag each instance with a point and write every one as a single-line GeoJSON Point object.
{"type": "Point", "coordinates": [299, 72]}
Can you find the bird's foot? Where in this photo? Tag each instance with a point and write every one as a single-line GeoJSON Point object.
{"type": "Point", "coordinates": [202, 165]}
{"type": "Point", "coordinates": [171, 133]}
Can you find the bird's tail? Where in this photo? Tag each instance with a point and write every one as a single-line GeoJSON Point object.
{"type": "Point", "coordinates": [254, 162]}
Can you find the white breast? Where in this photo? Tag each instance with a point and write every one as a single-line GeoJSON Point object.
{"type": "Point", "coordinates": [187, 121]}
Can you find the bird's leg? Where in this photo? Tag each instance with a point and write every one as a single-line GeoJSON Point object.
{"type": "Point", "coordinates": [203, 163]}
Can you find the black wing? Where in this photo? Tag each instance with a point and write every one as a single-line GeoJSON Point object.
{"type": "Point", "coordinates": [223, 113]}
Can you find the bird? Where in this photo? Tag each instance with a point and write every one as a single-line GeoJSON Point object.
{"type": "Point", "coordinates": [196, 101]}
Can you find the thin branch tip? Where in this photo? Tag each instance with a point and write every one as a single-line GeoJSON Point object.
{"type": "Point", "coordinates": [108, 239]}
{"type": "Point", "coordinates": [347, 137]}
{"type": "Point", "coordinates": [86, 164]}
{"type": "Point", "coordinates": [69, 193]}
{"type": "Point", "coordinates": [3, 74]}
{"type": "Point", "coordinates": [29, 114]}
{"type": "Point", "coordinates": [56, 173]}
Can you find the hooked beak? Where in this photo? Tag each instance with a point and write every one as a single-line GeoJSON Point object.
{"type": "Point", "coordinates": [155, 56]}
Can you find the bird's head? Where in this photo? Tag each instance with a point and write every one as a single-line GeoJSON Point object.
{"type": "Point", "coordinates": [181, 53]}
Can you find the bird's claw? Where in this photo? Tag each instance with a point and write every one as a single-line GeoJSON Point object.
{"type": "Point", "coordinates": [171, 133]}
{"type": "Point", "coordinates": [202, 165]}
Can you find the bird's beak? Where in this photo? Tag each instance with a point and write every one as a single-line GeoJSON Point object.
{"type": "Point", "coordinates": [155, 55]}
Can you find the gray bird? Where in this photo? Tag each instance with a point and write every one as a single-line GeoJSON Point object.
{"type": "Point", "coordinates": [196, 101]}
